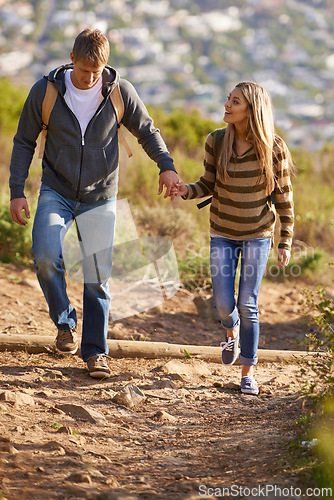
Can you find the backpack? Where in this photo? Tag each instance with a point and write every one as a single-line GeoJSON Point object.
{"type": "Point", "coordinates": [49, 102]}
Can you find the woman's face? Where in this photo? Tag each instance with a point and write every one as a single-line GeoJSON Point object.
{"type": "Point", "coordinates": [236, 108]}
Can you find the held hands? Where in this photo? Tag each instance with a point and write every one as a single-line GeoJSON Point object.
{"type": "Point", "coordinates": [17, 205]}
{"type": "Point", "coordinates": [169, 179]}
{"type": "Point", "coordinates": [179, 190]}
{"type": "Point", "coordinates": [174, 187]}
{"type": "Point", "coordinates": [283, 257]}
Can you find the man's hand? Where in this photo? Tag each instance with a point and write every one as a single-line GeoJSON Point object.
{"type": "Point", "coordinates": [169, 179]}
{"type": "Point", "coordinates": [16, 207]}
{"type": "Point", "coordinates": [283, 257]}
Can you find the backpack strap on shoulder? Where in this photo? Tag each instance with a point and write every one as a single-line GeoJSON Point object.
{"type": "Point", "coordinates": [47, 106]}
{"type": "Point", "coordinates": [118, 105]}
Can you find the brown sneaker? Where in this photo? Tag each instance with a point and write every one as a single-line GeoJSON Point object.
{"type": "Point", "coordinates": [67, 341]}
{"type": "Point", "coordinates": [98, 366]}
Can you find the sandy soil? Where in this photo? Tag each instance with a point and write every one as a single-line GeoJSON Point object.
{"type": "Point", "coordinates": [62, 435]}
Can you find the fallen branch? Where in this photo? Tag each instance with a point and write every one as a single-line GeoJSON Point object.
{"type": "Point", "coordinates": [150, 350]}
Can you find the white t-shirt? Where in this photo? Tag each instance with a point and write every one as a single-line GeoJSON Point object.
{"type": "Point", "coordinates": [83, 103]}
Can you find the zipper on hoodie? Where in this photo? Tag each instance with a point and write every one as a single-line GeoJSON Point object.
{"type": "Point", "coordinates": [82, 148]}
{"type": "Point", "coordinates": [101, 106]}
{"type": "Point", "coordinates": [99, 109]}
{"type": "Point", "coordinates": [81, 163]}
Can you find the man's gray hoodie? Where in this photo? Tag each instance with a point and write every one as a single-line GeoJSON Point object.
{"type": "Point", "coordinates": [82, 168]}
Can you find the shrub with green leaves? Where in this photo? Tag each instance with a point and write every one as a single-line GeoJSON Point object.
{"type": "Point", "coordinates": [164, 221]}
{"type": "Point", "coordinates": [194, 268]}
{"type": "Point", "coordinates": [320, 307]}
{"type": "Point", "coordinates": [184, 130]}
{"type": "Point", "coordinates": [11, 103]}
{"type": "Point", "coordinates": [303, 264]}
{"type": "Point", "coordinates": [15, 240]}
{"type": "Point", "coordinates": [324, 433]}
{"type": "Point", "coordinates": [317, 427]}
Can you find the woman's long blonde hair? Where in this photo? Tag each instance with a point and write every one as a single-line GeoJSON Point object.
{"type": "Point", "coordinates": [261, 133]}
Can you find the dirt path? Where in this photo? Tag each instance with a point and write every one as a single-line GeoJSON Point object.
{"type": "Point", "coordinates": [62, 436]}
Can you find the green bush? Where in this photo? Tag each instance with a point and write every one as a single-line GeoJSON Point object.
{"type": "Point", "coordinates": [320, 308]}
{"type": "Point", "coordinates": [324, 434]}
{"type": "Point", "coordinates": [164, 221]}
{"type": "Point", "coordinates": [194, 267]}
{"type": "Point", "coordinates": [185, 130]}
{"type": "Point", "coordinates": [314, 201]}
{"type": "Point", "coordinates": [190, 169]}
{"type": "Point", "coordinates": [15, 240]}
{"type": "Point", "coordinates": [304, 263]}
{"type": "Point", "coordinates": [11, 103]}
{"type": "Point", "coordinates": [313, 449]}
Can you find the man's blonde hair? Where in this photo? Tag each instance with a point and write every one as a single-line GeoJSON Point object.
{"type": "Point", "coordinates": [261, 133]}
{"type": "Point", "coordinates": [91, 46]}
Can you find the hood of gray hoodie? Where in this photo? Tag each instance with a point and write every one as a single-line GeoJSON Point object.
{"type": "Point", "coordinates": [110, 78]}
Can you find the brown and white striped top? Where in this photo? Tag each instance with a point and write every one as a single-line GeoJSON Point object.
{"type": "Point", "coordinates": [240, 208]}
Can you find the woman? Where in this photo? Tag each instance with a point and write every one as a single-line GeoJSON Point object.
{"type": "Point", "coordinates": [247, 171]}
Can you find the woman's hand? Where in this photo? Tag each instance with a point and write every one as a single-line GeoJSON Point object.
{"type": "Point", "coordinates": [180, 190]}
{"type": "Point", "coordinates": [283, 257]}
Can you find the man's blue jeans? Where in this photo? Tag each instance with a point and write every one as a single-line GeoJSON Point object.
{"type": "Point", "coordinates": [94, 221]}
{"type": "Point", "coordinates": [224, 258]}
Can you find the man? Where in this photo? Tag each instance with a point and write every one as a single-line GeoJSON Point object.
{"type": "Point", "coordinates": [80, 178]}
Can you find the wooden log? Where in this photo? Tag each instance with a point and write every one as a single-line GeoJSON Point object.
{"type": "Point", "coordinates": [150, 350]}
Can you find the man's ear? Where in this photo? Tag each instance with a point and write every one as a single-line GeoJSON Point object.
{"type": "Point", "coordinates": [72, 57]}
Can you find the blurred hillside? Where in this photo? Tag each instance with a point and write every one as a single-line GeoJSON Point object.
{"type": "Point", "coordinates": [190, 53]}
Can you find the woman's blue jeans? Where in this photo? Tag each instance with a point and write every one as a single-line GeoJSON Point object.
{"type": "Point", "coordinates": [95, 223]}
{"type": "Point", "coordinates": [224, 257]}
